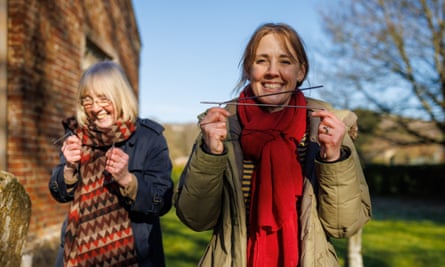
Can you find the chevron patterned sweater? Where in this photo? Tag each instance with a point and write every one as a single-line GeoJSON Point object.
{"type": "Point", "coordinates": [99, 230]}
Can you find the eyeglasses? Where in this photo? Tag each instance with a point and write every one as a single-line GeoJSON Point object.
{"type": "Point", "coordinates": [88, 102]}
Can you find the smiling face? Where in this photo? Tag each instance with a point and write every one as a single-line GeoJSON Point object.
{"type": "Point", "coordinates": [99, 110]}
{"type": "Point", "coordinates": [105, 96]}
{"type": "Point", "coordinates": [275, 69]}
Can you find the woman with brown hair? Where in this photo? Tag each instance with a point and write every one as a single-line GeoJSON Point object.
{"type": "Point", "coordinates": [274, 174]}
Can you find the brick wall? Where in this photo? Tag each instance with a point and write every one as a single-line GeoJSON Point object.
{"type": "Point", "coordinates": [46, 51]}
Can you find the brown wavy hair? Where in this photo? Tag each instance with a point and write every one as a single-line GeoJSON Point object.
{"type": "Point", "coordinates": [287, 35]}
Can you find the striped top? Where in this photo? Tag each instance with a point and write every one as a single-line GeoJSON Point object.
{"type": "Point", "coordinates": [249, 166]}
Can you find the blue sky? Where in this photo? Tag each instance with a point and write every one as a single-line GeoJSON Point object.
{"type": "Point", "coordinates": [191, 49]}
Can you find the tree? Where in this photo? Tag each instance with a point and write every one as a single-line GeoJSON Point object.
{"type": "Point", "coordinates": [391, 54]}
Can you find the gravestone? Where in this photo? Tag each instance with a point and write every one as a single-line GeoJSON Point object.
{"type": "Point", "coordinates": [15, 214]}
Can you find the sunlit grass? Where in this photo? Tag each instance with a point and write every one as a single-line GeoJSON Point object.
{"type": "Point", "coordinates": [400, 244]}
{"type": "Point", "coordinates": [402, 233]}
{"type": "Point", "coordinates": [183, 247]}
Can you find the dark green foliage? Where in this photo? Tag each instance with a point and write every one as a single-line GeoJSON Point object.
{"type": "Point", "coordinates": [368, 120]}
{"type": "Point", "coordinates": [413, 180]}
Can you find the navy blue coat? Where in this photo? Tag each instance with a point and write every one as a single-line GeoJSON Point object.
{"type": "Point", "coordinates": [149, 161]}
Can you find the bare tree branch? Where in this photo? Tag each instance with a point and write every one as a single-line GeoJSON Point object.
{"type": "Point", "coordinates": [392, 53]}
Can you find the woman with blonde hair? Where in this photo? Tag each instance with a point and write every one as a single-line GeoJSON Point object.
{"type": "Point", "coordinates": [115, 170]}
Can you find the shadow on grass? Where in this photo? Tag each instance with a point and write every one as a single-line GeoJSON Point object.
{"type": "Point", "coordinates": [409, 209]}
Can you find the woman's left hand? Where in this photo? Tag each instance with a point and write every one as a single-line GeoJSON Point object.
{"type": "Point", "coordinates": [117, 165]}
{"type": "Point", "coordinates": [330, 135]}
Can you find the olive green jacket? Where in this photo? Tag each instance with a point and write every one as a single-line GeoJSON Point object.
{"type": "Point", "coordinates": [209, 197]}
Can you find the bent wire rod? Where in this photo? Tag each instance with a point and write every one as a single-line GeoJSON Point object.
{"type": "Point", "coordinates": [63, 137]}
{"type": "Point", "coordinates": [283, 92]}
{"type": "Point", "coordinates": [234, 101]}
{"type": "Point", "coordinates": [261, 105]}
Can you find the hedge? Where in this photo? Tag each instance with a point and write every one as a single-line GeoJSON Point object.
{"type": "Point", "coordinates": [415, 180]}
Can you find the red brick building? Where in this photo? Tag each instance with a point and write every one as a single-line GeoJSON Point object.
{"type": "Point", "coordinates": [44, 47]}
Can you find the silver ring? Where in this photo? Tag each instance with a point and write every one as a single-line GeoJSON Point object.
{"type": "Point", "coordinates": [326, 129]}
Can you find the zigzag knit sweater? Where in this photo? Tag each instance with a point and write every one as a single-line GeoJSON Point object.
{"type": "Point", "coordinates": [99, 229]}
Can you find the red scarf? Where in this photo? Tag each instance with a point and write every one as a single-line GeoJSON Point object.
{"type": "Point", "coordinates": [99, 229]}
{"type": "Point", "coordinates": [271, 140]}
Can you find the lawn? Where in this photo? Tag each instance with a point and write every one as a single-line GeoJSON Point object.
{"type": "Point", "coordinates": [403, 233]}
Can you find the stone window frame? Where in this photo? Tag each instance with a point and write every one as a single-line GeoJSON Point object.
{"type": "Point", "coordinates": [95, 50]}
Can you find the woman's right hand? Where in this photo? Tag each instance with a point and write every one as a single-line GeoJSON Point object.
{"type": "Point", "coordinates": [71, 150]}
{"type": "Point", "coordinates": [214, 129]}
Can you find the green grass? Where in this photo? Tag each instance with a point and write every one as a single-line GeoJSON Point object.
{"type": "Point", "coordinates": [182, 246]}
{"type": "Point", "coordinates": [403, 233]}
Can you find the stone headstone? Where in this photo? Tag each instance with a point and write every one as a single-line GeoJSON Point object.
{"type": "Point", "coordinates": [15, 214]}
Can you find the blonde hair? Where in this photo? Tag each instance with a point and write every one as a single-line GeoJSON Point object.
{"type": "Point", "coordinates": [289, 38]}
{"type": "Point", "coordinates": [107, 78]}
